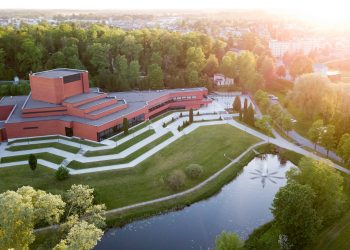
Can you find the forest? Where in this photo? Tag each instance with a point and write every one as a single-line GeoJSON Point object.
{"type": "Point", "coordinates": [119, 60]}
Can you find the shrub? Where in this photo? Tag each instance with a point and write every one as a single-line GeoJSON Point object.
{"type": "Point", "coordinates": [164, 125]}
{"type": "Point", "coordinates": [32, 161]}
{"type": "Point", "coordinates": [194, 171]}
{"type": "Point", "coordinates": [62, 173]}
{"type": "Point", "coordinates": [176, 179]}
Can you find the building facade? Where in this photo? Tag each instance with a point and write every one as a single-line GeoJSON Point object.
{"type": "Point", "coordinates": [62, 103]}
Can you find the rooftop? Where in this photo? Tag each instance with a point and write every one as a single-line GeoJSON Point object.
{"type": "Point", "coordinates": [57, 73]}
{"type": "Point", "coordinates": [136, 100]}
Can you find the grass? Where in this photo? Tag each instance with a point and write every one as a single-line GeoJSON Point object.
{"type": "Point", "coordinates": [76, 140]}
{"type": "Point", "coordinates": [147, 181]}
{"type": "Point", "coordinates": [132, 156]}
{"type": "Point", "coordinates": [122, 146]}
{"type": "Point", "coordinates": [48, 239]}
{"type": "Point", "coordinates": [56, 145]}
{"type": "Point", "coordinates": [44, 156]}
{"type": "Point", "coordinates": [252, 127]}
{"type": "Point", "coordinates": [132, 130]}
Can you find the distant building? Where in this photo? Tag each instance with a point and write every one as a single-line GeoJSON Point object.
{"type": "Point", "coordinates": [303, 46]}
{"type": "Point", "coordinates": [333, 75]}
{"type": "Point", "coordinates": [221, 80]}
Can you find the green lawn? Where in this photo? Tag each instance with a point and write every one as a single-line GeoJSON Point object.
{"type": "Point", "coordinates": [56, 145]}
{"type": "Point", "coordinates": [122, 146]}
{"type": "Point", "coordinates": [204, 146]}
{"type": "Point", "coordinates": [132, 156]}
{"type": "Point", "coordinates": [131, 130]}
{"type": "Point", "coordinates": [44, 156]}
{"type": "Point", "coordinates": [76, 140]}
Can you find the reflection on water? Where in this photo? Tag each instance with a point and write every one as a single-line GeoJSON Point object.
{"type": "Point", "coordinates": [241, 206]}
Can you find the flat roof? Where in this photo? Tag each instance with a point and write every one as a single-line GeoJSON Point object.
{"type": "Point", "coordinates": [135, 100]}
{"type": "Point", "coordinates": [57, 73]}
{"type": "Point", "coordinates": [35, 104]}
{"type": "Point", "coordinates": [82, 97]}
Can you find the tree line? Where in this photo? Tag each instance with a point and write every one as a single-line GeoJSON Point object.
{"type": "Point", "coordinates": [137, 59]}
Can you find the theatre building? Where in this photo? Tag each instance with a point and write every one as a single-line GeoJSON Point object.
{"type": "Point", "coordinates": [62, 103]}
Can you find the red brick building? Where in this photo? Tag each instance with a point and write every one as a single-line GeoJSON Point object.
{"type": "Point", "coordinates": [62, 103]}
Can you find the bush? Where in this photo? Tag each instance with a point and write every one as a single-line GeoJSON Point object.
{"type": "Point", "coordinates": [194, 171]}
{"type": "Point", "coordinates": [32, 162]}
{"type": "Point", "coordinates": [62, 173]}
{"type": "Point", "coordinates": [176, 179]}
{"type": "Point", "coordinates": [164, 125]}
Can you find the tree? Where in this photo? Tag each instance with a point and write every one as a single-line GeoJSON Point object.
{"type": "Point", "coordinates": [300, 65]}
{"type": "Point", "coordinates": [328, 138]}
{"type": "Point", "coordinates": [315, 132]}
{"type": "Point", "coordinates": [245, 111]}
{"type": "Point", "coordinates": [29, 58]}
{"type": "Point", "coordinates": [99, 54]}
{"type": "Point", "coordinates": [176, 179]}
{"type": "Point", "coordinates": [248, 75]}
{"type": "Point", "coordinates": [2, 63]}
{"type": "Point", "coordinates": [62, 173]}
{"type": "Point", "coordinates": [82, 236]}
{"type": "Point", "coordinates": [195, 56]}
{"type": "Point", "coordinates": [281, 71]}
{"type": "Point", "coordinates": [275, 111]}
{"type": "Point", "coordinates": [228, 241]}
{"type": "Point", "coordinates": [343, 148]}
{"type": "Point", "coordinates": [295, 215]}
{"type": "Point", "coordinates": [267, 68]}
{"type": "Point", "coordinates": [155, 76]}
{"type": "Point", "coordinates": [32, 161]}
{"type": "Point", "coordinates": [16, 221]}
{"type": "Point", "coordinates": [264, 124]}
{"type": "Point", "coordinates": [190, 115]}
{"type": "Point", "coordinates": [20, 211]}
{"type": "Point", "coordinates": [194, 171]}
{"type": "Point", "coordinates": [229, 65]}
{"type": "Point", "coordinates": [250, 115]}
{"type": "Point", "coordinates": [262, 99]}
{"type": "Point", "coordinates": [134, 73]}
{"type": "Point", "coordinates": [122, 72]}
{"type": "Point", "coordinates": [237, 106]}
{"type": "Point", "coordinates": [314, 103]}
{"type": "Point", "coordinates": [327, 185]}
{"type": "Point", "coordinates": [212, 65]}
{"type": "Point", "coordinates": [125, 126]}
{"type": "Point", "coordinates": [286, 122]}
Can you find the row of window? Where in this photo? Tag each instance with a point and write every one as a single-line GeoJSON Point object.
{"type": "Point", "coordinates": [175, 99]}
{"type": "Point", "coordinates": [105, 134]}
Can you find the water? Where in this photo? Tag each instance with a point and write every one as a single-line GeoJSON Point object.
{"type": "Point", "coordinates": [241, 206]}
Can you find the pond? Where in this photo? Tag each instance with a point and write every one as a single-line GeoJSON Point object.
{"type": "Point", "coordinates": [241, 206]}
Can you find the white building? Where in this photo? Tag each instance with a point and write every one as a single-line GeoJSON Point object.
{"type": "Point", "coordinates": [221, 80]}
{"type": "Point", "coordinates": [304, 46]}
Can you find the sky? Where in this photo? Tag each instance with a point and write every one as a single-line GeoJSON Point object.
{"type": "Point", "coordinates": [326, 12]}
{"type": "Point", "coordinates": [173, 4]}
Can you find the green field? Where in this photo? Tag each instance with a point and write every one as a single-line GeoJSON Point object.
{"type": "Point", "coordinates": [204, 146]}
{"type": "Point", "coordinates": [131, 130]}
{"type": "Point", "coordinates": [130, 157]}
{"type": "Point", "coordinates": [122, 146]}
{"type": "Point", "coordinates": [56, 145]}
{"type": "Point", "coordinates": [44, 156]}
{"type": "Point", "coordinates": [76, 140]}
